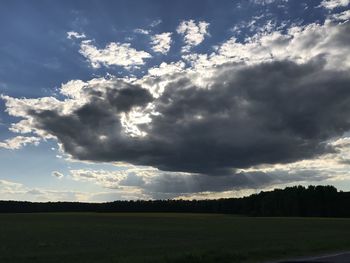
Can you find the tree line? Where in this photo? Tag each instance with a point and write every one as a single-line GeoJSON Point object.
{"type": "Point", "coordinates": [313, 201]}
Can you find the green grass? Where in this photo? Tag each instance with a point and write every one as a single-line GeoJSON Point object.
{"type": "Point", "coordinates": [136, 237]}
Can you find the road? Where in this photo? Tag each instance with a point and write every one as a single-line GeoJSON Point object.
{"type": "Point", "coordinates": [343, 257]}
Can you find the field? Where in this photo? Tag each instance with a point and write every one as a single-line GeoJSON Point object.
{"type": "Point", "coordinates": [147, 237]}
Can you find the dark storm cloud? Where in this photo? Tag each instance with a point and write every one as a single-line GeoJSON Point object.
{"type": "Point", "coordinates": [95, 124]}
{"type": "Point", "coordinates": [179, 184]}
{"type": "Point", "coordinates": [170, 185]}
{"type": "Point", "coordinates": [276, 112]}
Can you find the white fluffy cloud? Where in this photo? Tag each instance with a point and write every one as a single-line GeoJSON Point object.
{"type": "Point", "coordinates": [299, 44]}
{"type": "Point", "coordinates": [167, 68]}
{"type": "Point", "coordinates": [115, 53]}
{"type": "Point", "coordinates": [341, 16]}
{"type": "Point", "coordinates": [331, 4]}
{"type": "Point", "coordinates": [72, 34]}
{"type": "Point", "coordinates": [19, 142]}
{"type": "Point", "coordinates": [193, 33]}
{"type": "Point", "coordinates": [161, 42]}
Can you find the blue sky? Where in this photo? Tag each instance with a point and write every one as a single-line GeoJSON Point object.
{"type": "Point", "coordinates": [148, 63]}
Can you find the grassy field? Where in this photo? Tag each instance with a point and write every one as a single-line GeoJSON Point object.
{"type": "Point", "coordinates": [126, 237]}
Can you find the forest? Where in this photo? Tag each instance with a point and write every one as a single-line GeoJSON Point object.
{"type": "Point", "coordinates": [296, 201]}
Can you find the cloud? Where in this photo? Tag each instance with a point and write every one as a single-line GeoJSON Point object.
{"type": "Point", "coordinates": [167, 68]}
{"type": "Point", "coordinates": [268, 113]}
{"type": "Point", "coordinates": [57, 174]}
{"type": "Point", "coordinates": [299, 44]}
{"type": "Point", "coordinates": [150, 183]}
{"type": "Point", "coordinates": [178, 185]}
{"type": "Point", "coordinates": [115, 53]}
{"type": "Point", "coordinates": [9, 186]}
{"type": "Point", "coordinates": [141, 31]}
{"type": "Point", "coordinates": [341, 16]}
{"type": "Point", "coordinates": [277, 98]}
{"type": "Point", "coordinates": [18, 142]}
{"type": "Point", "coordinates": [154, 184]}
{"type": "Point", "coordinates": [331, 4]}
{"type": "Point", "coordinates": [155, 23]}
{"type": "Point", "coordinates": [17, 191]}
{"type": "Point", "coordinates": [265, 2]}
{"type": "Point", "coordinates": [161, 42]}
{"type": "Point", "coordinates": [72, 34]}
{"type": "Point", "coordinates": [193, 33]}
{"type": "Point", "coordinates": [104, 178]}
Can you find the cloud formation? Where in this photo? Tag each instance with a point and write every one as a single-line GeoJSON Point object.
{"type": "Point", "coordinates": [343, 16]}
{"type": "Point", "coordinates": [115, 53]}
{"type": "Point", "coordinates": [279, 97]}
{"type": "Point", "coordinates": [268, 113]}
{"type": "Point", "coordinates": [154, 184]}
{"type": "Point", "coordinates": [299, 44]}
{"type": "Point", "coordinates": [73, 34]}
{"type": "Point", "coordinates": [141, 31]}
{"type": "Point", "coordinates": [332, 4]}
{"type": "Point", "coordinates": [18, 142]}
{"type": "Point", "coordinates": [161, 42]}
{"type": "Point", "coordinates": [17, 191]}
{"type": "Point", "coordinates": [193, 33]}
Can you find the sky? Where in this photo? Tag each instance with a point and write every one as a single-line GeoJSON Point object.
{"type": "Point", "coordinates": [120, 100]}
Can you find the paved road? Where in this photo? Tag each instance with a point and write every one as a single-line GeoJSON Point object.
{"type": "Point", "coordinates": [332, 258]}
